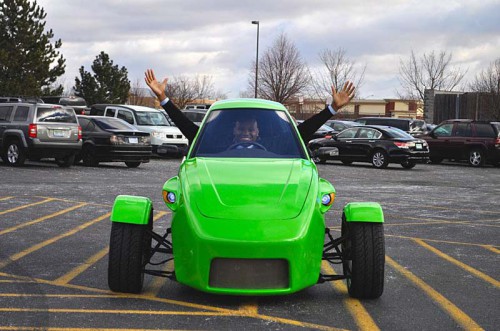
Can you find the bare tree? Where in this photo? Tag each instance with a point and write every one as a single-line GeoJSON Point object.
{"type": "Point", "coordinates": [430, 71]}
{"type": "Point", "coordinates": [487, 82]}
{"type": "Point", "coordinates": [184, 90]}
{"type": "Point", "coordinates": [282, 73]}
{"type": "Point", "coordinates": [337, 70]}
{"type": "Point", "coordinates": [140, 95]}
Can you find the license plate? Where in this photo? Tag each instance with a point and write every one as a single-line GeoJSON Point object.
{"type": "Point", "coordinates": [59, 133]}
{"type": "Point", "coordinates": [133, 140]}
{"type": "Point", "coordinates": [418, 146]}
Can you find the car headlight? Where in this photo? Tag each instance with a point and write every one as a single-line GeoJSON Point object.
{"type": "Point", "coordinates": [327, 199]}
{"type": "Point", "coordinates": [156, 134]}
{"type": "Point", "coordinates": [169, 197]}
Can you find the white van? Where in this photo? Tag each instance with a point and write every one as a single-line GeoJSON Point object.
{"type": "Point", "coordinates": [166, 139]}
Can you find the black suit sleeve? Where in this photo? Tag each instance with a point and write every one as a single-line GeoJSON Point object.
{"type": "Point", "coordinates": [312, 124]}
{"type": "Point", "coordinates": [187, 127]}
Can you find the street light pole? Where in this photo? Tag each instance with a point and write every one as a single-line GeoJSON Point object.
{"type": "Point", "coordinates": [256, 58]}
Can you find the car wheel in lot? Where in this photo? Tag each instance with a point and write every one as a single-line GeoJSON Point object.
{"type": "Point", "coordinates": [346, 162]}
{"type": "Point", "coordinates": [380, 159]}
{"type": "Point", "coordinates": [364, 258]}
{"type": "Point", "coordinates": [408, 164]}
{"type": "Point", "coordinates": [476, 157]}
{"type": "Point", "coordinates": [132, 164]}
{"type": "Point", "coordinates": [129, 250]}
{"type": "Point", "coordinates": [66, 162]}
{"type": "Point", "coordinates": [435, 159]}
{"type": "Point", "coordinates": [88, 156]}
{"type": "Point", "coordinates": [15, 154]}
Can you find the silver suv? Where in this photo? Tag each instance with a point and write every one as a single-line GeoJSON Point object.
{"type": "Point", "coordinates": [36, 130]}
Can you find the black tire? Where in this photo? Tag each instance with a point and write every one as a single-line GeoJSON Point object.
{"type": "Point", "coordinates": [133, 164]}
{"type": "Point", "coordinates": [346, 162]}
{"type": "Point", "coordinates": [380, 159]}
{"type": "Point", "coordinates": [408, 164]}
{"type": "Point", "coordinates": [318, 160]}
{"type": "Point", "coordinates": [364, 258]}
{"type": "Point", "coordinates": [435, 159]}
{"type": "Point", "coordinates": [15, 154]}
{"type": "Point", "coordinates": [476, 157]}
{"type": "Point", "coordinates": [66, 162]}
{"type": "Point", "coordinates": [129, 251]}
{"type": "Point", "coordinates": [88, 156]}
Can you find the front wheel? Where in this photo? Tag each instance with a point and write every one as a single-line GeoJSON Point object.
{"type": "Point", "coordinates": [476, 157]}
{"type": "Point", "coordinates": [129, 249]}
{"type": "Point", "coordinates": [364, 258]}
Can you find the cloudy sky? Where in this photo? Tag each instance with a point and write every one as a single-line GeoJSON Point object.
{"type": "Point", "coordinates": [216, 38]}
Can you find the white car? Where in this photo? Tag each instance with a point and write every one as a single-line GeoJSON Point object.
{"type": "Point", "coordinates": [166, 139]}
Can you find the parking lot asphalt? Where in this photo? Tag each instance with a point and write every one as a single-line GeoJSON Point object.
{"type": "Point", "coordinates": [442, 254]}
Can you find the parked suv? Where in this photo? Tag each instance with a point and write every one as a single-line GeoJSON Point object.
{"type": "Point", "coordinates": [38, 130]}
{"type": "Point", "coordinates": [411, 126]}
{"type": "Point", "coordinates": [166, 139]}
{"type": "Point", "coordinates": [77, 103]}
{"type": "Point", "coordinates": [460, 139]}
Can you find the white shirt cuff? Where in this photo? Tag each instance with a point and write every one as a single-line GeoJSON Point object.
{"type": "Point", "coordinates": [330, 108]}
{"type": "Point", "coordinates": [164, 101]}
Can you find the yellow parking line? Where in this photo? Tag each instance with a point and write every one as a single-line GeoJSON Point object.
{"type": "Point", "coordinates": [34, 328]}
{"type": "Point", "coordinates": [249, 307]}
{"type": "Point", "coordinates": [111, 311]}
{"type": "Point", "coordinates": [491, 248]}
{"type": "Point", "coordinates": [36, 247]}
{"type": "Point", "coordinates": [361, 317]}
{"type": "Point", "coordinates": [26, 206]}
{"type": "Point", "coordinates": [447, 208]}
{"type": "Point", "coordinates": [81, 268]}
{"type": "Point", "coordinates": [462, 265]}
{"type": "Point", "coordinates": [5, 198]}
{"type": "Point", "coordinates": [458, 315]}
{"type": "Point", "coordinates": [439, 241]}
{"type": "Point", "coordinates": [41, 219]}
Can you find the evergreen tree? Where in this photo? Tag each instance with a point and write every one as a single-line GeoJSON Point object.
{"type": "Point", "coordinates": [108, 84]}
{"type": "Point", "coordinates": [29, 63]}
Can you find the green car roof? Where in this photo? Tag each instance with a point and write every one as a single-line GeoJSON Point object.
{"type": "Point", "coordinates": [247, 103]}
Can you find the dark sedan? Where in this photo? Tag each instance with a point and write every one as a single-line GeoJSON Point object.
{"type": "Point", "coordinates": [108, 139]}
{"type": "Point", "coordinates": [379, 145]}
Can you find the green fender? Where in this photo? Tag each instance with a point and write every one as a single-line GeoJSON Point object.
{"type": "Point", "coordinates": [131, 209]}
{"type": "Point", "coordinates": [364, 212]}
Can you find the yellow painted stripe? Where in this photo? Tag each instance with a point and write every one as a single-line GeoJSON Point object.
{"type": "Point", "coordinates": [361, 317]}
{"type": "Point", "coordinates": [33, 328]}
{"type": "Point", "coordinates": [154, 288]}
{"type": "Point", "coordinates": [446, 208]}
{"type": "Point", "coordinates": [439, 241]}
{"type": "Point", "coordinates": [41, 219]}
{"type": "Point", "coordinates": [491, 248]}
{"type": "Point", "coordinates": [458, 315]}
{"type": "Point", "coordinates": [5, 198]}
{"type": "Point", "coordinates": [249, 307]}
{"type": "Point", "coordinates": [75, 201]}
{"type": "Point", "coordinates": [36, 247]}
{"type": "Point", "coordinates": [26, 206]}
{"type": "Point", "coordinates": [111, 311]}
{"type": "Point", "coordinates": [462, 265]}
{"type": "Point", "coordinates": [81, 268]}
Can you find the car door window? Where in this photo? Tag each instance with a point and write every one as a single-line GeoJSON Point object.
{"type": "Point", "coordinates": [443, 130]}
{"type": "Point", "coordinates": [126, 115]}
{"type": "Point", "coordinates": [338, 127]}
{"type": "Point", "coordinates": [21, 114]}
{"type": "Point", "coordinates": [83, 123]}
{"type": "Point", "coordinates": [484, 130]}
{"type": "Point", "coordinates": [347, 134]}
{"type": "Point", "coordinates": [368, 133]}
{"type": "Point", "coordinates": [110, 112]}
{"type": "Point", "coordinates": [5, 113]}
{"type": "Point", "coordinates": [463, 130]}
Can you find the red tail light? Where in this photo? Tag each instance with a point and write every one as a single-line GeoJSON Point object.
{"type": "Point", "coordinates": [497, 142]}
{"type": "Point", "coordinates": [32, 131]}
{"type": "Point", "coordinates": [401, 144]}
{"type": "Point", "coordinates": [79, 132]}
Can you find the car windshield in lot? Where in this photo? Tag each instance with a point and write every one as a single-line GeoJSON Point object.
{"type": "Point", "coordinates": [151, 118]}
{"type": "Point", "coordinates": [398, 133]}
{"type": "Point", "coordinates": [55, 114]}
{"type": "Point", "coordinates": [248, 133]}
{"type": "Point", "coordinates": [108, 123]}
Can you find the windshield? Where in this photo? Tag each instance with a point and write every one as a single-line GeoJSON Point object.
{"type": "Point", "coordinates": [151, 118]}
{"type": "Point", "coordinates": [109, 123]}
{"type": "Point", "coordinates": [398, 133]}
{"type": "Point", "coordinates": [248, 133]}
{"type": "Point", "coordinates": [56, 114]}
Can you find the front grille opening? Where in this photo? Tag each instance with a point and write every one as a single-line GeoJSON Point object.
{"type": "Point", "coordinates": [249, 273]}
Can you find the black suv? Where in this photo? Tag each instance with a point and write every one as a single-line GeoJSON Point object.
{"type": "Point", "coordinates": [411, 126]}
{"type": "Point", "coordinates": [38, 130]}
{"type": "Point", "coordinates": [461, 139]}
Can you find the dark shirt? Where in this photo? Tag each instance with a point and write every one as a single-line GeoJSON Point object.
{"type": "Point", "coordinates": [189, 129]}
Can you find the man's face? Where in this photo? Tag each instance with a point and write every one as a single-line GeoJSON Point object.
{"type": "Point", "coordinates": [245, 131]}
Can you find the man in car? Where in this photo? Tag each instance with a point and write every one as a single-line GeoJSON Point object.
{"type": "Point", "coordinates": [306, 128]}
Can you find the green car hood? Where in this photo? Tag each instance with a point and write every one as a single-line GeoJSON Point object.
{"type": "Point", "coordinates": [246, 189]}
